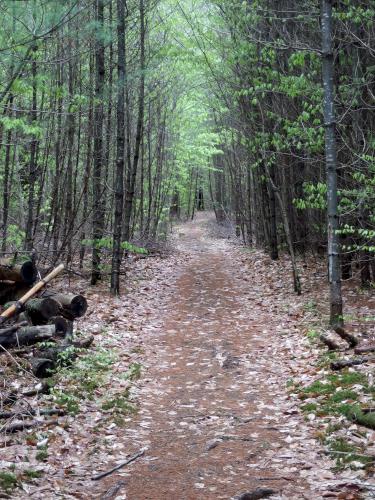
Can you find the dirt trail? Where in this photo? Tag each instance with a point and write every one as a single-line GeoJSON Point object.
{"type": "Point", "coordinates": [210, 412]}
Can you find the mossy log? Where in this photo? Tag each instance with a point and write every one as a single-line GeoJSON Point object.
{"type": "Point", "coordinates": [365, 419]}
{"type": "Point", "coordinates": [42, 310]}
{"type": "Point", "coordinates": [72, 306]}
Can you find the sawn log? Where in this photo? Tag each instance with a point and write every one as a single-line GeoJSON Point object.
{"type": "Point", "coordinates": [8, 313]}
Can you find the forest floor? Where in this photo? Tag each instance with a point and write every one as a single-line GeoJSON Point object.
{"type": "Point", "coordinates": [200, 365]}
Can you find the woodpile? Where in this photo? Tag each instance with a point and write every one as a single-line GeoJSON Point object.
{"type": "Point", "coordinates": [36, 323]}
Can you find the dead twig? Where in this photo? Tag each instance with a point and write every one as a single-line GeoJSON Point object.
{"type": "Point", "coordinates": [20, 426]}
{"type": "Point", "coordinates": [120, 466]}
{"type": "Point", "coordinates": [31, 412]}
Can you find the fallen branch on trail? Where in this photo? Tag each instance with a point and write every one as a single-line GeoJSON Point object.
{"type": "Point", "coordinates": [41, 388]}
{"type": "Point", "coordinates": [345, 363]}
{"type": "Point", "coordinates": [118, 467]}
{"type": "Point", "coordinates": [365, 348]}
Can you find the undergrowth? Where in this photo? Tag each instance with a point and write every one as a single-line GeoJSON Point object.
{"type": "Point", "coordinates": [83, 381]}
{"type": "Point", "coordinates": [338, 395]}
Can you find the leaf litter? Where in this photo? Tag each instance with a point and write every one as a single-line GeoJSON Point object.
{"type": "Point", "coordinates": [201, 363]}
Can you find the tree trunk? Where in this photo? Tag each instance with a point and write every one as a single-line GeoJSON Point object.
{"type": "Point", "coordinates": [336, 309]}
{"type": "Point", "coordinates": [33, 158]}
{"type": "Point", "coordinates": [97, 207]}
{"type": "Point", "coordinates": [132, 172]}
{"type": "Point", "coordinates": [120, 152]}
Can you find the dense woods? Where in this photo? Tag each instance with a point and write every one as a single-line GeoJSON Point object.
{"type": "Point", "coordinates": [187, 249]}
{"type": "Point", "coordinates": [119, 117]}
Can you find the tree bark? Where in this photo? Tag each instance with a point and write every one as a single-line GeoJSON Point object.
{"type": "Point", "coordinates": [97, 208]}
{"type": "Point", "coordinates": [132, 171]}
{"type": "Point", "coordinates": [120, 151]}
{"type": "Point", "coordinates": [336, 307]}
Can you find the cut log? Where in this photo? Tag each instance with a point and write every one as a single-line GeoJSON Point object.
{"type": "Point", "coordinates": [72, 306]}
{"type": "Point", "coordinates": [25, 272]}
{"type": "Point", "coordinates": [257, 494]}
{"type": "Point", "coordinates": [12, 329]}
{"type": "Point", "coordinates": [345, 363]}
{"type": "Point", "coordinates": [8, 313]}
{"type": "Point", "coordinates": [365, 348]}
{"type": "Point", "coordinates": [41, 310]}
{"type": "Point", "coordinates": [27, 335]}
{"type": "Point", "coordinates": [42, 367]}
{"type": "Point", "coordinates": [64, 327]}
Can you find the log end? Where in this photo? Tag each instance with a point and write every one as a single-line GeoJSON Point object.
{"type": "Point", "coordinates": [41, 367]}
{"type": "Point", "coordinates": [29, 272]}
{"type": "Point", "coordinates": [79, 306]}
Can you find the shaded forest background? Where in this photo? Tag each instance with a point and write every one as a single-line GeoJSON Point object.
{"type": "Point", "coordinates": [118, 117]}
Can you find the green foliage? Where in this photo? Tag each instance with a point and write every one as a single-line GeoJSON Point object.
{"type": "Point", "coordinates": [312, 335]}
{"type": "Point", "coordinates": [345, 453]}
{"type": "Point", "coordinates": [80, 381]}
{"type": "Point", "coordinates": [42, 453]}
{"type": "Point", "coordinates": [32, 474]}
{"type": "Point", "coordinates": [134, 372]}
{"type": "Point", "coordinates": [120, 404]}
{"type": "Point", "coordinates": [15, 236]}
{"type": "Point", "coordinates": [107, 243]}
{"type": "Point", "coordinates": [8, 481]}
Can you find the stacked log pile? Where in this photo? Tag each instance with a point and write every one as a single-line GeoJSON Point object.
{"type": "Point", "coordinates": [35, 321]}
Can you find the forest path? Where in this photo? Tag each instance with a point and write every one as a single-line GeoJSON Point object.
{"type": "Point", "coordinates": [214, 410]}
